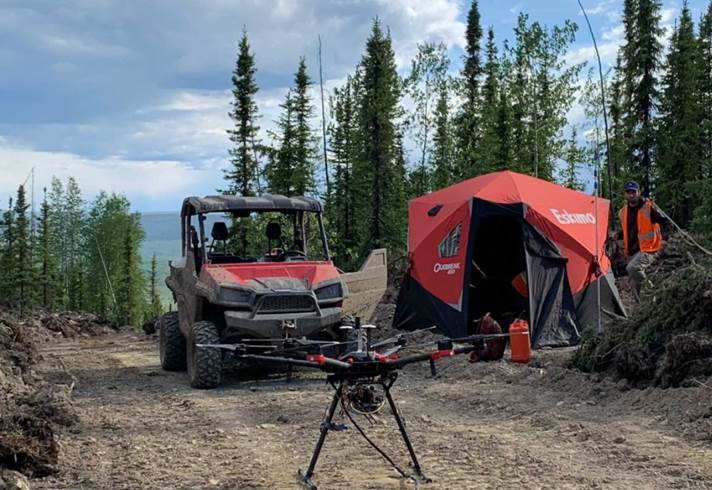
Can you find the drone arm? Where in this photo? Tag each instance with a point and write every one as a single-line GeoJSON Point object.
{"type": "Point", "coordinates": [434, 356]}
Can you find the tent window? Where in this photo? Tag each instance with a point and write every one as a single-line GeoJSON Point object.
{"type": "Point", "coordinates": [450, 246]}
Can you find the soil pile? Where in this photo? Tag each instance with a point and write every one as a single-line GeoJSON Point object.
{"type": "Point", "coordinates": [30, 409]}
{"type": "Point", "coordinates": [668, 339]}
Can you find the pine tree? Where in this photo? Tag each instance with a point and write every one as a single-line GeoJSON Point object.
{"type": "Point", "coordinates": [681, 147]}
{"type": "Point", "coordinates": [291, 167]}
{"type": "Point", "coordinates": [380, 191]}
{"type": "Point", "coordinates": [443, 162]}
{"type": "Point", "coordinates": [467, 120]}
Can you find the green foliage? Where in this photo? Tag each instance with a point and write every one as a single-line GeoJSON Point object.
{"type": "Point", "coordinates": [668, 339]}
{"type": "Point", "coordinates": [241, 175]}
{"type": "Point", "coordinates": [467, 123]}
{"type": "Point", "coordinates": [78, 257]}
{"type": "Point", "coordinates": [681, 147]}
{"type": "Point", "coordinates": [343, 134]}
{"type": "Point", "coordinates": [573, 158]}
{"type": "Point", "coordinates": [640, 65]}
{"type": "Point", "coordinates": [290, 170]}
{"type": "Point", "coordinates": [378, 168]}
{"type": "Point", "coordinates": [155, 308]}
{"type": "Point", "coordinates": [443, 159]}
{"type": "Point", "coordinates": [428, 78]}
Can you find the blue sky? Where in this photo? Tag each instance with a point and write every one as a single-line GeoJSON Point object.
{"type": "Point", "coordinates": [132, 96]}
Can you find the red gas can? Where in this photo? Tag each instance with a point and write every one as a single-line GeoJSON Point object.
{"type": "Point", "coordinates": [519, 341]}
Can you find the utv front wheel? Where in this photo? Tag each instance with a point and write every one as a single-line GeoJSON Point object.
{"type": "Point", "coordinates": [204, 363]}
{"type": "Point", "coordinates": [171, 343]}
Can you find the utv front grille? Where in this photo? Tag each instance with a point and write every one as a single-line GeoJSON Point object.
{"type": "Point", "coordinates": [286, 304]}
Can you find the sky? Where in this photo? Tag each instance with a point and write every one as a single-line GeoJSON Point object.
{"type": "Point", "coordinates": [132, 96]}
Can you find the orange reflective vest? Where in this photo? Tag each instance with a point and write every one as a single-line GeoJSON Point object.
{"type": "Point", "coordinates": [649, 235]}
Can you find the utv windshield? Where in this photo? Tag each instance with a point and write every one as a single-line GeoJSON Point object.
{"type": "Point", "coordinates": [257, 236]}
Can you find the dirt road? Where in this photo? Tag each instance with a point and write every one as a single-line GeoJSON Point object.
{"type": "Point", "coordinates": [493, 425]}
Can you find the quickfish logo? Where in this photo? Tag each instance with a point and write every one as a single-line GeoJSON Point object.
{"type": "Point", "coordinates": [448, 268]}
{"type": "Point", "coordinates": [566, 218]}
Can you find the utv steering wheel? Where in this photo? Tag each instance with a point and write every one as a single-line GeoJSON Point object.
{"type": "Point", "coordinates": [294, 254]}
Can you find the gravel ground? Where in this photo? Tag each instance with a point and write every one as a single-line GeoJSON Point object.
{"type": "Point", "coordinates": [487, 425]}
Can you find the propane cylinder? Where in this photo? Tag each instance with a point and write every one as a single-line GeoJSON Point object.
{"type": "Point", "coordinates": [519, 341]}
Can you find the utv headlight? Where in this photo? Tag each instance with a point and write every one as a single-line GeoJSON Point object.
{"type": "Point", "coordinates": [234, 295]}
{"type": "Point", "coordinates": [329, 292]}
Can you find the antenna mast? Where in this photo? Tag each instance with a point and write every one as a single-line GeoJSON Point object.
{"type": "Point", "coordinates": [323, 123]}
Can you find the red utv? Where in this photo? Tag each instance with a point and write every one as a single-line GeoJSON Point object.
{"type": "Point", "coordinates": [287, 291]}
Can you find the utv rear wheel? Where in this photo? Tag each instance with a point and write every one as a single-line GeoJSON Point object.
{"type": "Point", "coordinates": [204, 364]}
{"type": "Point", "coordinates": [171, 343]}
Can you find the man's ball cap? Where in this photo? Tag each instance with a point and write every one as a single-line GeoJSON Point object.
{"type": "Point", "coordinates": [632, 186]}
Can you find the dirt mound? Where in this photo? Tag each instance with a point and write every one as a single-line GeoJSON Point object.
{"type": "Point", "coordinates": [30, 409]}
{"type": "Point", "coordinates": [668, 339]}
{"type": "Point", "coordinates": [71, 324]}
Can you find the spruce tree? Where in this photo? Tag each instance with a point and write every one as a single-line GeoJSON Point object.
{"type": "Point", "coordinates": [7, 260]}
{"type": "Point", "coordinates": [49, 272]}
{"type": "Point", "coordinates": [489, 145]}
{"type": "Point", "coordinates": [681, 147]}
{"type": "Point", "coordinates": [155, 308]}
{"type": "Point", "coordinates": [467, 120]}
{"type": "Point", "coordinates": [291, 167]}
{"type": "Point", "coordinates": [443, 162]}
{"type": "Point", "coordinates": [503, 123]}
{"type": "Point", "coordinates": [703, 212]}
{"type": "Point", "coordinates": [705, 87]}
{"type": "Point", "coordinates": [73, 227]}
{"type": "Point", "coordinates": [23, 281]}
{"type": "Point", "coordinates": [242, 174]}
{"type": "Point", "coordinates": [641, 65]}
{"type": "Point", "coordinates": [573, 157]}
{"type": "Point", "coordinates": [381, 195]}
{"type": "Point", "coordinates": [343, 135]}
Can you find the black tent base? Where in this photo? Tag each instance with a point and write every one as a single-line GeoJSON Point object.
{"type": "Point", "coordinates": [339, 381]}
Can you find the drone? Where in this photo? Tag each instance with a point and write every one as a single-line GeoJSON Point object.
{"type": "Point", "coordinates": [362, 376]}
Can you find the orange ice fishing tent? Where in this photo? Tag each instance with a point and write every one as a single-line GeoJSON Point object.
{"type": "Point", "coordinates": [512, 245]}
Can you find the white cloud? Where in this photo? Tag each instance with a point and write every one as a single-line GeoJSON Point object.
{"type": "Point", "coordinates": [604, 7]}
{"type": "Point", "coordinates": [145, 180]}
{"type": "Point", "coordinates": [587, 54]}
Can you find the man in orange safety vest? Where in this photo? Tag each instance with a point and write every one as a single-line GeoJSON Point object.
{"type": "Point", "coordinates": [640, 229]}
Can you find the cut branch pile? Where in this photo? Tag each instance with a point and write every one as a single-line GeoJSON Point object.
{"type": "Point", "coordinates": [668, 339]}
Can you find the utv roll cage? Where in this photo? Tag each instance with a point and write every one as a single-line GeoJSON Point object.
{"type": "Point", "coordinates": [242, 207]}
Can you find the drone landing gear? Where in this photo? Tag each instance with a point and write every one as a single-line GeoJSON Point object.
{"type": "Point", "coordinates": [386, 381]}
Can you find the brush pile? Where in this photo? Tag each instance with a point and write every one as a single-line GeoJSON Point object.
{"type": "Point", "coordinates": [30, 409]}
{"type": "Point", "coordinates": [70, 324]}
{"type": "Point", "coordinates": [667, 341]}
